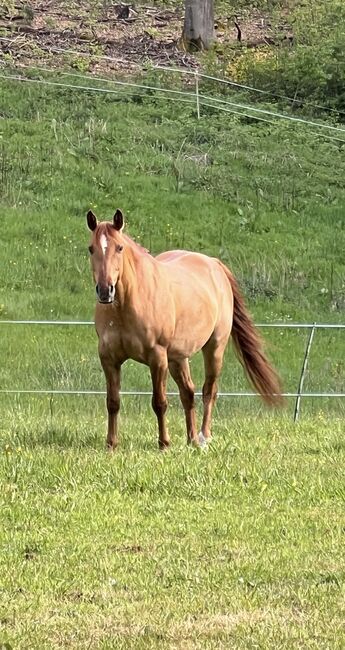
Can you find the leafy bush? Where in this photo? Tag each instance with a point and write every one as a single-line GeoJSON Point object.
{"type": "Point", "coordinates": [312, 69]}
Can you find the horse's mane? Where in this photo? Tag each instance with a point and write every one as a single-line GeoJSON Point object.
{"type": "Point", "coordinates": [136, 246]}
{"type": "Point", "coordinates": [109, 228]}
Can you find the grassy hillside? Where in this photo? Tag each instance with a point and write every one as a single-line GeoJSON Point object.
{"type": "Point", "coordinates": [267, 199]}
{"type": "Point", "coordinates": [287, 47]}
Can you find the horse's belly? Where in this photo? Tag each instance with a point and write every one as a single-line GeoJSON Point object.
{"type": "Point", "coordinates": [183, 348]}
{"type": "Point", "coordinates": [190, 335]}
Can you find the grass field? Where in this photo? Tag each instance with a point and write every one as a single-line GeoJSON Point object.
{"type": "Point", "coordinates": [242, 545]}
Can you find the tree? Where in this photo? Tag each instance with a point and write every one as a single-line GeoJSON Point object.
{"type": "Point", "coordinates": [198, 30]}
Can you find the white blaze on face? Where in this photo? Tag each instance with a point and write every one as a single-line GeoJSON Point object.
{"type": "Point", "coordinates": [104, 243]}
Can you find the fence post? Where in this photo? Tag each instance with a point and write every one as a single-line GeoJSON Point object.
{"type": "Point", "coordinates": [197, 95]}
{"type": "Point", "coordinates": [303, 371]}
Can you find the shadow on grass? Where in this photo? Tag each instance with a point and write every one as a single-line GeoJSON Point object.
{"type": "Point", "coordinates": [137, 431]}
{"type": "Point", "coordinates": [62, 437]}
{"type": "Point", "coordinates": [65, 438]}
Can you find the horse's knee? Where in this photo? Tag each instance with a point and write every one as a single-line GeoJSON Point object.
{"type": "Point", "coordinates": [159, 405]}
{"type": "Point", "coordinates": [209, 390]}
{"type": "Point", "coordinates": [113, 405]}
{"type": "Point", "coordinates": [187, 397]}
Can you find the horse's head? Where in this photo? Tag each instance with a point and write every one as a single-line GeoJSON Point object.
{"type": "Point", "coordinates": [106, 256]}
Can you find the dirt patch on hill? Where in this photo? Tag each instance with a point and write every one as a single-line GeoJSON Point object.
{"type": "Point", "coordinates": [71, 33]}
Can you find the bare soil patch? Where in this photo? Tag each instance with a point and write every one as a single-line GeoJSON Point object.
{"type": "Point", "coordinates": [57, 33]}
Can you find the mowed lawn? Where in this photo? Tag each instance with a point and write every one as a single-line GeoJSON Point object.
{"type": "Point", "coordinates": [239, 546]}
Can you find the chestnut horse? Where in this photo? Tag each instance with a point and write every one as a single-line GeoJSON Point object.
{"type": "Point", "coordinates": [160, 311]}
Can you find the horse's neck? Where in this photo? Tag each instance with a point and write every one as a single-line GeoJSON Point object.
{"type": "Point", "coordinates": [136, 275]}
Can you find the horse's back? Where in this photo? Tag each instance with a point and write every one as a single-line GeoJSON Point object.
{"type": "Point", "coordinates": [195, 271]}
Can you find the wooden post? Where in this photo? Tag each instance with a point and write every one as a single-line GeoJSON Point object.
{"type": "Point", "coordinates": [197, 95]}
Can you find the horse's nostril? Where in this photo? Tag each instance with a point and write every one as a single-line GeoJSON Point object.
{"type": "Point", "coordinates": [112, 288]}
{"type": "Point", "coordinates": [97, 291]}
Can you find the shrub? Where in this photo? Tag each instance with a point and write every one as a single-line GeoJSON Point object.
{"type": "Point", "coordinates": [312, 69]}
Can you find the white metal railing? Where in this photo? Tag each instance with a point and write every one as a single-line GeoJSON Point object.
{"type": "Point", "coordinates": [298, 395]}
{"type": "Point", "coordinates": [336, 326]}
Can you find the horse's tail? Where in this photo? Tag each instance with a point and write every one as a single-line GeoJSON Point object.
{"type": "Point", "coordinates": [250, 350]}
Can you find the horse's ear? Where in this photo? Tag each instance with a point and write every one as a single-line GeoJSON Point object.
{"type": "Point", "coordinates": [91, 220]}
{"type": "Point", "coordinates": [118, 220]}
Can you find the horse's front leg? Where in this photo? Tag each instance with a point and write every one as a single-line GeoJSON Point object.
{"type": "Point", "coordinates": [112, 373]}
{"type": "Point", "coordinates": [159, 372]}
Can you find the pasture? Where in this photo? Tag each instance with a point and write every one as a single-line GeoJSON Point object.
{"type": "Point", "coordinates": [240, 546]}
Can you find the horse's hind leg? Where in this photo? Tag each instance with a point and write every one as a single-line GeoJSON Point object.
{"type": "Point", "coordinates": [181, 374]}
{"type": "Point", "coordinates": [213, 353]}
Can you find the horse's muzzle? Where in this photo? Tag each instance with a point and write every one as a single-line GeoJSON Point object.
{"type": "Point", "coordinates": [105, 293]}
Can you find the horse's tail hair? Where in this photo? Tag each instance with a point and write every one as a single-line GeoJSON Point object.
{"type": "Point", "coordinates": [250, 349]}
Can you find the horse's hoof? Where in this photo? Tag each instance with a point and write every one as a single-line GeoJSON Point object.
{"type": "Point", "coordinates": [111, 448]}
{"type": "Point", "coordinates": [203, 442]}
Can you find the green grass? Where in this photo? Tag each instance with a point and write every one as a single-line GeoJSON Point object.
{"type": "Point", "coordinates": [241, 546]}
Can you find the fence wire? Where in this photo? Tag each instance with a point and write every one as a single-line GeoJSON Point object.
{"type": "Point", "coordinates": [246, 110]}
{"type": "Point", "coordinates": [171, 70]}
{"type": "Point", "coordinates": [298, 395]}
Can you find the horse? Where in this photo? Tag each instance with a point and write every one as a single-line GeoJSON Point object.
{"type": "Point", "coordinates": [159, 311]}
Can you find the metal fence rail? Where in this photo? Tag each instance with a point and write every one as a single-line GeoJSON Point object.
{"type": "Point", "coordinates": [298, 395]}
{"type": "Point", "coordinates": [336, 326]}
{"type": "Point", "coordinates": [140, 393]}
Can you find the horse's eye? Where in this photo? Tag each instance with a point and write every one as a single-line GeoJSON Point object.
{"type": "Point", "coordinates": [91, 249]}
{"type": "Point", "coordinates": [119, 248]}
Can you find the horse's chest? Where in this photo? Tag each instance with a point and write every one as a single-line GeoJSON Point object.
{"type": "Point", "coordinates": [124, 342]}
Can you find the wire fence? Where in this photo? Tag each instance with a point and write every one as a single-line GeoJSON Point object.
{"type": "Point", "coordinates": [196, 73]}
{"type": "Point", "coordinates": [195, 99]}
{"type": "Point", "coordinates": [298, 395]}
{"type": "Point", "coordinates": [192, 96]}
